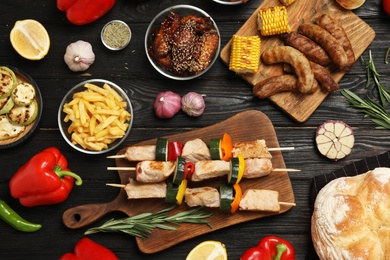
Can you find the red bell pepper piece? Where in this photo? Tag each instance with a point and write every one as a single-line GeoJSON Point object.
{"type": "Point", "coordinates": [45, 179]}
{"type": "Point", "coordinates": [174, 150]}
{"type": "Point", "coordinates": [81, 12]}
{"type": "Point", "coordinates": [189, 169]}
{"type": "Point", "coordinates": [86, 249]}
{"type": "Point", "coordinates": [270, 248]}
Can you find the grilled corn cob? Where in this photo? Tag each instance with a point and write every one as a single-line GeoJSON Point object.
{"type": "Point", "coordinates": [286, 2]}
{"type": "Point", "coordinates": [245, 54]}
{"type": "Point", "coordinates": [273, 20]}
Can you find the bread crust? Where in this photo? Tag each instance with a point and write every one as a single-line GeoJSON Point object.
{"type": "Point", "coordinates": [351, 217]}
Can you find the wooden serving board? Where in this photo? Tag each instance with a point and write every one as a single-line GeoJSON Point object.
{"type": "Point", "coordinates": [300, 107]}
{"type": "Point", "coordinates": [245, 126]}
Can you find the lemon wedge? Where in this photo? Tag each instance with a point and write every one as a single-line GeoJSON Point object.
{"type": "Point", "coordinates": [208, 250]}
{"type": "Point", "coordinates": [30, 39]}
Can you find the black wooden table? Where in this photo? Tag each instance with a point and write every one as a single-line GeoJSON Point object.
{"type": "Point", "coordinates": [227, 94]}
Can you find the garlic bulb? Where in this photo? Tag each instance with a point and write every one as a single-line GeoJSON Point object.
{"type": "Point", "coordinates": [79, 56]}
{"type": "Point", "coordinates": [167, 104]}
{"type": "Point", "coordinates": [193, 104]}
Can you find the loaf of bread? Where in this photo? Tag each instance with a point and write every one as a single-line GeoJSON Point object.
{"type": "Point", "coordinates": [351, 218]}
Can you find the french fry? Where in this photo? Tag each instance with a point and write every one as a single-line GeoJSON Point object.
{"type": "Point", "coordinates": [97, 117]}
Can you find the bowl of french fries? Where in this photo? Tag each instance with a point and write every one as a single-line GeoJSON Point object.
{"type": "Point", "coordinates": [95, 116]}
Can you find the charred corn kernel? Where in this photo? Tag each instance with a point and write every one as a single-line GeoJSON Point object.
{"type": "Point", "coordinates": [245, 54]}
{"type": "Point", "coordinates": [273, 20]}
{"type": "Point", "coordinates": [286, 2]}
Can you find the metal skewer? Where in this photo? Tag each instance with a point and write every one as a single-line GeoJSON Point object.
{"type": "Point", "coordinates": [134, 168]}
{"type": "Point", "coordinates": [120, 156]}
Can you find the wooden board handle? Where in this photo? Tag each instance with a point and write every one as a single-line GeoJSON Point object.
{"type": "Point", "coordinates": [84, 215]}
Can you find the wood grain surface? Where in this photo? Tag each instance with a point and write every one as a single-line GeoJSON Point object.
{"type": "Point", "coordinates": [245, 126]}
{"type": "Point", "coordinates": [300, 106]}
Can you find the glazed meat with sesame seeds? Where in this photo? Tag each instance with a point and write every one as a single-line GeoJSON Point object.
{"type": "Point", "coordinates": [187, 46]}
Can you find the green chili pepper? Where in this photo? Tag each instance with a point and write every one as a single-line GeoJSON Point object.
{"type": "Point", "coordinates": [13, 219]}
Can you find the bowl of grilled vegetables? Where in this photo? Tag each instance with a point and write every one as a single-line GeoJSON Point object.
{"type": "Point", "coordinates": [95, 116]}
{"type": "Point", "coordinates": [182, 42]}
{"type": "Point", "coordinates": [20, 106]}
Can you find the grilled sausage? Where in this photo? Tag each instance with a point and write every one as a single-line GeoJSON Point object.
{"type": "Point", "coordinates": [301, 65]}
{"type": "Point", "coordinates": [334, 27]}
{"type": "Point", "coordinates": [321, 74]}
{"type": "Point", "coordinates": [276, 84]}
{"type": "Point", "coordinates": [308, 47]}
{"type": "Point", "coordinates": [326, 41]}
{"type": "Point", "coordinates": [324, 78]}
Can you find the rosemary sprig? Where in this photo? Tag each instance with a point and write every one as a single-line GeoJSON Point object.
{"type": "Point", "coordinates": [370, 108]}
{"type": "Point", "coordinates": [383, 92]}
{"type": "Point", "coordinates": [143, 224]}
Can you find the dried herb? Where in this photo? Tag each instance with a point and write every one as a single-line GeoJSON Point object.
{"type": "Point", "coordinates": [143, 224]}
{"type": "Point", "coordinates": [369, 106]}
{"type": "Point", "coordinates": [116, 35]}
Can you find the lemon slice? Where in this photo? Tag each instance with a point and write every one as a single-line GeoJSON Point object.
{"type": "Point", "coordinates": [30, 39]}
{"type": "Point", "coordinates": [208, 250]}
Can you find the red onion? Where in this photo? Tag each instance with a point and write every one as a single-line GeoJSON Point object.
{"type": "Point", "coordinates": [167, 104]}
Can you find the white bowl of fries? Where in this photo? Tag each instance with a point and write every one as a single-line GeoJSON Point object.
{"type": "Point", "coordinates": [95, 116]}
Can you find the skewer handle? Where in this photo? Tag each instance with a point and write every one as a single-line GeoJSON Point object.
{"type": "Point", "coordinates": [116, 185]}
{"type": "Point", "coordinates": [121, 168]}
{"type": "Point", "coordinates": [286, 170]}
{"type": "Point", "coordinates": [280, 149]}
{"type": "Point", "coordinates": [287, 203]}
{"type": "Point", "coordinates": [116, 156]}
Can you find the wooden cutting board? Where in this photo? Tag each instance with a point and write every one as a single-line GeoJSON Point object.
{"type": "Point", "coordinates": [245, 126]}
{"type": "Point", "coordinates": [301, 107]}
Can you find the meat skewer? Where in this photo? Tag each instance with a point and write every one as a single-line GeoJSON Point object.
{"type": "Point", "coordinates": [154, 171]}
{"type": "Point", "coordinates": [150, 171]}
{"type": "Point", "coordinates": [252, 199]}
{"type": "Point", "coordinates": [196, 150]}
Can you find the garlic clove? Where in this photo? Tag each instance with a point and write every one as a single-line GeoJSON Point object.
{"type": "Point", "coordinates": [79, 56]}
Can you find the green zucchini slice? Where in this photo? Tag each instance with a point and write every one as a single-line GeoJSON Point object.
{"type": "Point", "coordinates": [162, 149]}
{"type": "Point", "coordinates": [226, 196]}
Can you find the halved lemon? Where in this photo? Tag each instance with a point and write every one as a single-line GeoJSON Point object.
{"type": "Point", "coordinates": [30, 39]}
{"type": "Point", "coordinates": [208, 250]}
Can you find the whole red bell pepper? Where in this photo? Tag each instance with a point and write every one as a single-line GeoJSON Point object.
{"type": "Point", "coordinates": [81, 12]}
{"type": "Point", "coordinates": [386, 6]}
{"type": "Point", "coordinates": [45, 179]}
{"type": "Point", "coordinates": [270, 248]}
{"type": "Point", "coordinates": [86, 249]}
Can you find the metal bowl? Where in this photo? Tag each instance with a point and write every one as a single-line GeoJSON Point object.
{"type": "Point", "coordinates": [65, 125]}
{"type": "Point", "coordinates": [227, 2]}
{"type": "Point", "coordinates": [183, 10]}
{"type": "Point", "coordinates": [125, 29]}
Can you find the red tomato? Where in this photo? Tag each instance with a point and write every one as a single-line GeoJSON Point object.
{"type": "Point", "coordinates": [386, 6]}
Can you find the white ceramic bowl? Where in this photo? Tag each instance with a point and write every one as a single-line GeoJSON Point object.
{"type": "Point", "coordinates": [183, 10]}
{"type": "Point", "coordinates": [69, 96]}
